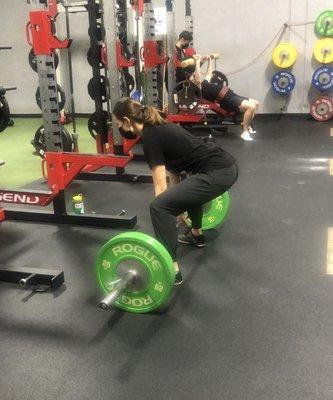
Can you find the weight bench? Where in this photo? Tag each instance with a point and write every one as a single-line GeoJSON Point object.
{"type": "Point", "coordinates": [197, 113]}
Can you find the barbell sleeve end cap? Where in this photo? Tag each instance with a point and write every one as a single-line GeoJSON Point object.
{"type": "Point", "coordinates": [23, 282]}
{"type": "Point", "coordinates": [103, 306]}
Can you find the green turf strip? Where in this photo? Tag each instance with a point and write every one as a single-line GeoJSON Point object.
{"type": "Point", "coordinates": [22, 166]}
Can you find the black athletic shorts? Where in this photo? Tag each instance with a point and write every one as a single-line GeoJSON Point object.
{"type": "Point", "coordinates": [231, 101]}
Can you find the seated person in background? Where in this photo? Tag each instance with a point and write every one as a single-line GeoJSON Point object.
{"type": "Point", "coordinates": [225, 97]}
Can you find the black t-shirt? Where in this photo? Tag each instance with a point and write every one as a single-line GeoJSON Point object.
{"type": "Point", "coordinates": [210, 91]}
{"type": "Point", "coordinates": [176, 148]}
{"type": "Point", "coordinates": [180, 73]}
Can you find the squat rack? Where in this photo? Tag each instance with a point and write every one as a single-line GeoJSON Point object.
{"type": "Point", "coordinates": [62, 167]}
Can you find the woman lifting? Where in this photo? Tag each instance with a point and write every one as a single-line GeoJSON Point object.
{"type": "Point", "coordinates": [168, 147]}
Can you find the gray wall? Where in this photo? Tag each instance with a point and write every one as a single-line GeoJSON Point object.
{"type": "Point", "coordinates": [240, 30]}
{"type": "Point", "coordinates": [237, 29]}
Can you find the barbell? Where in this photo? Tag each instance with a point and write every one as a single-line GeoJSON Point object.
{"type": "Point", "coordinates": [190, 62]}
{"type": "Point", "coordinates": [136, 273]}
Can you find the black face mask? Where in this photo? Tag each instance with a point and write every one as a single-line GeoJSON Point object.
{"type": "Point", "coordinates": [127, 134]}
{"type": "Point", "coordinates": [185, 46]}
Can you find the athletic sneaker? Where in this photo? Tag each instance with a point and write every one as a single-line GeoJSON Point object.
{"type": "Point", "coordinates": [246, 136]}
{"type": "Point", "coordinates": [189, 238]}
{"type": "Point", "coordinates": [251, 130]}
{"type": "Point", "coordinates": [178, 278]}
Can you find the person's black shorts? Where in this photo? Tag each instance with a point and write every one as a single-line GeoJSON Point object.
{"type": "Point", "coordinates": [231, 101]}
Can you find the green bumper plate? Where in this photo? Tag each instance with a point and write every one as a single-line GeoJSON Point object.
{"type": "Point", "coordinates": [324, 23]}
{"type": "Point", "coordinates": [135, 250]}
{"type": "Point", "coordinates": [215, 212]}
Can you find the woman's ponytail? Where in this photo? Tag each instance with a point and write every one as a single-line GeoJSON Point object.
{"type": "Point", "coordinates": [131, 109]}
{"type": "Point", "coordinates": [153, 116]}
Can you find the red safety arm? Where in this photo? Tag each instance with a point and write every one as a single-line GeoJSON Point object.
{"type": "Point", "coordinates": [53, 8]}
{"type": "Point", "coordinates": [27, 197]}
{"type": "Point", "coordinates": [149, 53]}
{"type": "Point", "coordinates": [39, 31]}
{"type": "Point", "coordinates": [2, 214]}
{"type": "Point", "coordinates": [62, 168]}
{"type": "Point", "coordinates": [121, 60]}
{"type": "Point", "coordinates": [28, 33]}
{"type": "Point", "coordinates": [137, 5]}
{"type": "Point", "coordinates": [44, 42]}
{"type": "Point", "coordinates": [129, 144]}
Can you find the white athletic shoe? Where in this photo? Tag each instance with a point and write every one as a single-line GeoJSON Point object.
{"type": "Point", "coordinates": [246, 136]}
{"type": "Point", "coordinates": [251, 130]}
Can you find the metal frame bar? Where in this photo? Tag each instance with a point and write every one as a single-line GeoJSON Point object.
{"type": "Point", "coordinates": [95, 220]}
{"type": "Point", "coordinates": [49, 102]}
{"type": "Point", "coordinates": [32, 276]}
{"type": "Point", "coordinates": [171, 53]}
{"type": "Point", "coordinates": [41, 36]}
{"type": "Point", "coordinates": [189, 23]}
{"type": "Point", "coordinates": [151, 92]}
{"type": "Point", "coordinates": [109, 18]}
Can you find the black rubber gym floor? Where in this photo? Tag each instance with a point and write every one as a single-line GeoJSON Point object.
{"type": "Point", "coordinates": [253, 319]}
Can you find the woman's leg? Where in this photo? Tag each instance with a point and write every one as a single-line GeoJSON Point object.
{"type": "Point", "coordinates": [190, 194]}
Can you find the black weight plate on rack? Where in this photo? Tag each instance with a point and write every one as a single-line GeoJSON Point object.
{"type": "Point", "coordinates": [61, 97]}
{"type": "Point", "coordinates": [33, 60]}
{"type": "Point", "coordinates": [39, 141]}
{"type": "Point", "coordinates": [4, 113]}
{"type": "Point", "coordinates": [100, 32]}
{"type": "Point", "coordinates": [90, 57]}
{"type": "Point", "coordinates": [97, 124]}
{"type": "Point", "coordinates": [97, 88]}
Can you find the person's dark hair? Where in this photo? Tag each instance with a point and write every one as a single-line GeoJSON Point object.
{"type": "Point", "coordinates": [133, 110]}
{"type": "Point", "coordinates": [186, 35]}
